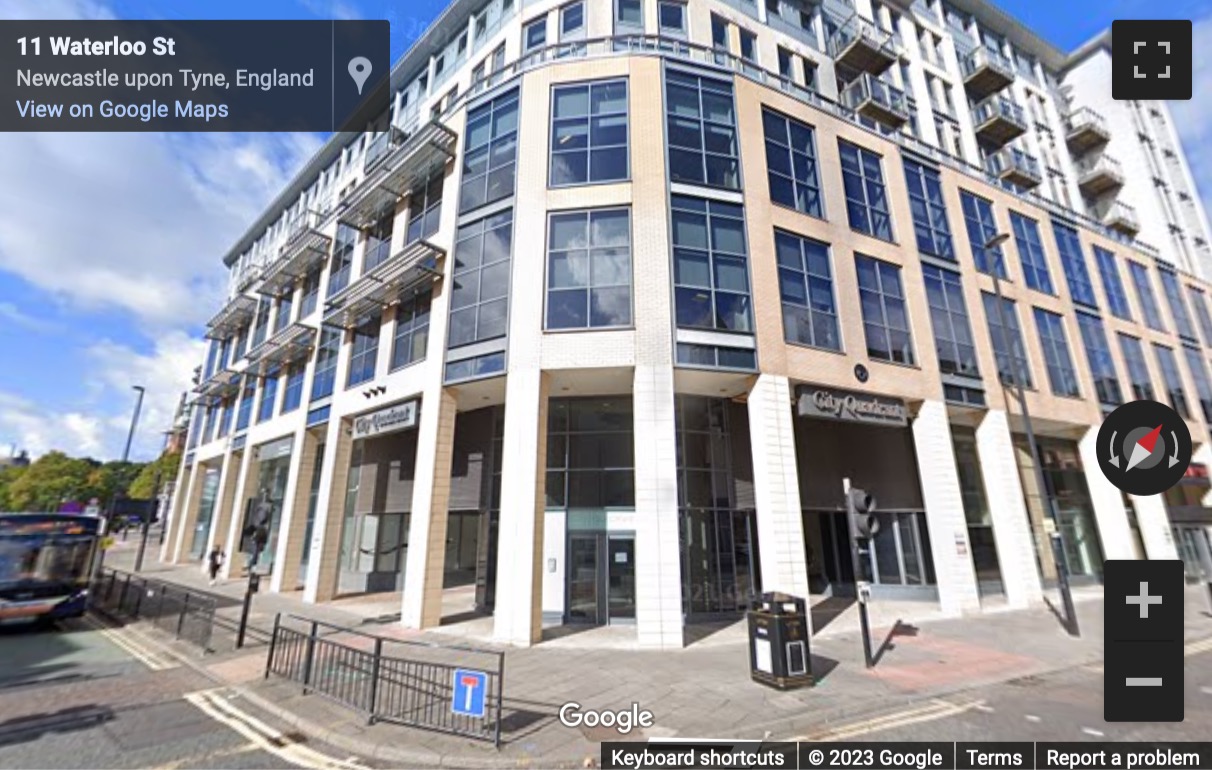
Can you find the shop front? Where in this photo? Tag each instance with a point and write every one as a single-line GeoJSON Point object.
{"type": "Point", "coordinates": [206, 512]}
{"type": "Point", "coordinates": [866, 438]}
{"type": "Point", "coordinates": [378, 500]}
{"type": "Point", "coordinates": [263, 509]}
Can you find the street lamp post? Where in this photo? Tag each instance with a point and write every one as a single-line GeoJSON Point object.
{"type": "Point", "coordinates": [134, 422]}
{"type": "Point", "coordinates": [1057, 538]}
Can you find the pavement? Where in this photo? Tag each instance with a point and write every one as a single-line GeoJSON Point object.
{"type": "Point", "coordinates": [702, 691]}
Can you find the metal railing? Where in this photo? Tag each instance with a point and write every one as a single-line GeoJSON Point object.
{"type": "Point", "coordinates": [1102, 164]}
{"type": "Point", "coordinates": [868, 87]}
{"type": "Point", "coordinates": [1123, 213]}
{"type": "Point", "coordinates": [1086, 119]}
{"type": "Point", "coordinates": [857, 28]}
{"type": "Point", "coordinates": [413, 685]}
{"type": "Point", "coordinates": [185, 614]}
{"type": "Point", "coordinates": [998, 106]}
{"type": "Point", "coordinates": [1010, 159]}
{"type": "Point", "coordinates": [983, 57]}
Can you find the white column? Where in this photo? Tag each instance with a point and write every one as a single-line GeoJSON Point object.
{"type": "Point", "coordinates": [425, 567]}
{"type": "Point", "coordinates": [290, 509]}
{"type": "Point", "coordinates": [247, 480]}
{"type": "Point", "coordinates": [1113, 529]}
{"type": "Point", "coordinates": [945, 520]}
{"type": "Point", "coordinates": [1008, 510]}
{"type": "Point", "coordinates": [518, 611]}
{"type": "Point", "coordinates": [185, 512]}
{"type": "Point", "coordinates": [1154, 523]}
{"type": "Point", "coordinates": [780, 521]}
{"type": "Point", "coordinates": [324, 552]}
{"type": "Point", "coordinates": [658, 568]}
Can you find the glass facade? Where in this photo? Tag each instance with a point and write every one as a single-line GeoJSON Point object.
{"type": "Point", "coordinates": [490, 152]}
{"type": "Point", "coordinates": [1198, 366]}
{"type": "Point", "coordinates": [479, 296]}
{"type": "Point", "coordinates": [1057, 361]}
{"type": "Point", "coordinates": [1178, 305]}
{"type": "Point", "coordinates": [866, 197]}
{"type": "Point", "coordinates": [885, 321]}
{"type": "Point", "coordinates": [711, 268]}
{"type": "Point", "coordinates": [1077, 276]}
{"type": "Point", "coordinates": [325, 376]}
{"type": "Point", "coordinates": [1176, 393]}
{"type": "Point", "coordinates": [411, 337]}
{"type": "Point", "coordinates": [1007, 342]}
{"type": "Point", "coordinates": [982, 226]}
{"type": "Point", "coordinates": [1138, 368]}
{"type": "Point", "coordinates": [1031, 253]}
{"type": "Point", "coordinates": [949, 321]}
{"type": "Point", "coordinates": [1098, 354]}
{"type": "Point", "coordinates": [701, 126]}
{"type": "Point", "coordinates": [791, 164]}
{"type": "Point", "coordinates": [929, 211]}
{"type": "Point", "coordinates": [589, 269]}
{"type": "Point", "coordinates": [1144, 294]}
{"type": "Point", "coordinates": [364, 351]}
{"type": "Point", "coordinates": [1113, 284]}
{"type": "Point", "coordinates": [425, 210]}
{"type": "Point", "coordinates": [806, 289]}
{"type": "Point", "coordinates": [341, 264]}
{"type": "Point", "coordinates": [590, 453]}
{"type": "Point", "coordinates": [589, 133]}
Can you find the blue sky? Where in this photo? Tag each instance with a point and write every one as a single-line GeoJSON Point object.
{"type": "Point", "coordinates": [116, 294]}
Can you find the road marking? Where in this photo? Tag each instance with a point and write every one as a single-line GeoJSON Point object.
{"type": "Point", "coordinates": [265, 737]}
{"type": "Point", "coordinates": [234, 751]}
{"type": "Point", "coordinates": [1032, 718]}
{"type": "Point", "coordinates": [123, 638]}
{"type": "Point", "coordinates": [1092, 731]}
{"type": "Point", "coordinates": [984, 707]}
{"type": "Point", "coordinates": [1202, 645]}
{"type": "Point", "coordinates": [936, 709]}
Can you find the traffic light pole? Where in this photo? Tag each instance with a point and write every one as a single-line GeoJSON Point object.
{"type": "Point", "coordinates": [1057, 537]}
{"type": "Point", "coordinates": [861, 591]}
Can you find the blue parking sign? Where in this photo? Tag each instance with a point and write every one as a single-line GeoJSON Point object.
{"type": "Point", "coordinates": [470, 689]}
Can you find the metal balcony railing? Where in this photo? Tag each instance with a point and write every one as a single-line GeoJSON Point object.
{"type": "Point", "coordinates": [1122, 217]}
{"type": "Point", "coordinates": [1086, 128]}
{"type": "Point", "coordinates": [1098, 174]}
{"type": "Point", "coordinates": [999, 120]}
{"type": "Point", "coordinates": [877, 99]}
{"type": "Point", "coordinates": [861, 45]}
{"type": "Point", "coordinates": [986, 71]}
{"type": "Point", "coordinates": [1013, 165]}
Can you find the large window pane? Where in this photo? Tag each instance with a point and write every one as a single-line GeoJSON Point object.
{"type": "Point", "coordinates": [589, 269]}
{"type": "Point", "coordinates": [711, 272]}
{"type": "Point", "coordinates": [589, 133]}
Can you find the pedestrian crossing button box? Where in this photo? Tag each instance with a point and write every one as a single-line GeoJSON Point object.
{"type": "Point", "coordinates": [778, 641]}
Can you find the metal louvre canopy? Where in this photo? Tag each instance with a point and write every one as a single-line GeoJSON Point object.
{"type": "Point", "coordinates": [287, 346]}
{"type": "Point", "coordinates": [390, 173]}
{"type": "Point", "coordinates": [382, 286]}
{"type": "Point", "coordinates": [234, 314]}
{"type": "Point", "coordinates": [221, 384]}
{"type": "Point", "coordinates": [307, 247]}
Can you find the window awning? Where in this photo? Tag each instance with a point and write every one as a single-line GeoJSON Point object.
{"type": "Point", "coordinates": [305, 247]}
{"type": "Point", "coordinates": [391, 170]}
{"type": "Point", "coordinates": [220, 385]}
{"type": "Point", "coordinates": [287, 346]}
{"type": "Point", "coordinates": [232, 317]}
{"type": "Point", "coordinates": [415, 264]}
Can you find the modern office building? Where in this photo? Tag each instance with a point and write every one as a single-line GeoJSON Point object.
{"type": "Point", "coordinates": [594, 324]}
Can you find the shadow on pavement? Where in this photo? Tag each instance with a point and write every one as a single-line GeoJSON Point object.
{"type": "Point", "coordinates": [34, 726]}
{"type": "Point", "coordinates": [898, 629]}
{"type": "Point", "coordinates": [825, 612]}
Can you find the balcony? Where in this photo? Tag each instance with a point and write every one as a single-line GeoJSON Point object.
{"type": "Point", "coordinates": [306, 246]}
{"type": "Point", "coordinates": [1085, 130]}
{"type": "Point", "coordinates": [873, 98]}
{"type": "Point", "coordinates": [293, 343]}
{"type": "Point", "coordinates": [393, 160]}
{"type": "Point", "coordinates": [998, 121]}
{"type": "Point", "coordinates": [233, 317]}
{"type": "Point", "coordinates": [415, 265]}
{"type": "Point", "coordinates": [986, 72]}
{"type": "Point", "coordinates": [1099, 175]}
{"type": "Point", "coordinates": [218, 386]}
{"type": "Point", "coordinates": [1122, 218]}
{"type": "Point", "coordinates": [862, 46]}
{"type": "Point", "coordinates": [1012, 165]}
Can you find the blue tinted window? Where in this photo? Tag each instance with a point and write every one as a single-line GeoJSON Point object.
{"type": "Point", "coordinates": [1031, 253]}
{"type": "Point", "coordinates": [1144, 293]}
{"type": "Point", "coordinates": [885, 319]}
{"type": "Point", "coordinates": [1055, 345]}
{"type": "Point", "coordinates": [929, 211]}
{"type": "Point", "coordinates": [806, 289]}
{"type": "Point", "coordinates": [866, 197]}
{"type": "Point", "coordinates": [1098, 354]}
{"type": "Point", "coordinates": [1069, 246]}
{"type": "Point", "coordinates": [981, 226]}
{"type": "Point", "coordinates": [1113, 285]}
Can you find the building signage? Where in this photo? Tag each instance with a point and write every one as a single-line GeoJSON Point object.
{"type": "Point", "coordinates": [851, 407]}
{"type": "Point", "coordinates": [274, 449]}
{"type": "Point", "coordinates": [393, 418]}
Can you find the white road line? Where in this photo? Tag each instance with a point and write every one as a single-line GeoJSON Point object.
{"type": "Point", "coordinates": [1092, 731]}
{"type": "Point", "coordinates": [936, 709]}
{"type": "Point", "coordinates": [243, 748]}
{"type": "Point", "coordinates": [265, 737]}
{"type": "Point", "coordinates": [984, 707]}
{"type": "Point", "coordinates": [1031, 718]}
{"type": "Point", "coordinates": [124, 639]}
{"type": "Point", "coordinates": [1201, 645]}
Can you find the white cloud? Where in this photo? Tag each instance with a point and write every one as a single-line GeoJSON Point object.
{"type": "Point", "coordinates": [10, 313]}
{"type": "Point", "coordinates": [33, 428]}
{"type": "Point", "coordinates": [1193, 118]}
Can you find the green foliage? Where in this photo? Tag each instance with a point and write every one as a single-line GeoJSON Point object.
{"type": "Point", "coordinates": [55, 477]}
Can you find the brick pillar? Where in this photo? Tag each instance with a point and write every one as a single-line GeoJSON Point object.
{"type": "Point", "coordinates": [518, 613]}
{"type": "Point", "coordinates": [776, 487]}
{"type": "Point", "coordinates": [185, 512]}
{"type": "Point", "coordinates": [1154, 523]}
{"type": "Point", "coordinates": [945, 519]}
{"type": "Point", "coordinates": [658, 559]}
{"type": "Point", "coordinates": [1109, 512]}
{"type": "Point", "coordinates": [1008, 510]}
{"type": "Point", "coordinates": [246, 482]}
{"type": "Point", "coordinates": [426, 565]}
{"type": "Point", "coordinates": [293, 521]}
{"type": "Point", "coordinates": [325, 555]}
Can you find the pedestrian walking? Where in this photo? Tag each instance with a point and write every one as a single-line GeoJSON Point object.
{"type": "Point", "coordinates": [215, 563]}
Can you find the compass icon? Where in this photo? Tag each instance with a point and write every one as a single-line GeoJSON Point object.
{"type": "Point", "coordinates": [1144, 447]}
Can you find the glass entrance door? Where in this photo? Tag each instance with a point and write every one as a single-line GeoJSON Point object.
{"type": "Point", "coordinates": [601, 579]}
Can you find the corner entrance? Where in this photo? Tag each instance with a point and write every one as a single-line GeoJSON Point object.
{"type": "Point", "coordinates": [601, 579]}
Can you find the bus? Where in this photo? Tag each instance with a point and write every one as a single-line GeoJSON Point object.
{"type": "Point", "coordinates": [46, 564]}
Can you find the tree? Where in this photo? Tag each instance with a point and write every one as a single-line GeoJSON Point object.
{"type": "Point", "coordinates": [7, 477]}
{"type": "Point", "coordinates": [49, 480]}
{"type": "Point", "coordinates": [166, 465]}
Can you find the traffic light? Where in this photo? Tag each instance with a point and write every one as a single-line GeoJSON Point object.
{"type": "Point", "coordinates": [861, 508]}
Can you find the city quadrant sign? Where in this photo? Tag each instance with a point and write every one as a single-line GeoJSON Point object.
{"type": "Point", "coordinates": [850, 407]}
{"type": "Point", "coordinates": [392, 418]}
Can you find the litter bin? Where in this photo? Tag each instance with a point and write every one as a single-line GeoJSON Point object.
{"type": "Point", "coordinates": [778, 642]}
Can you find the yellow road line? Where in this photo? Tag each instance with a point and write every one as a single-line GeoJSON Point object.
{"type": "Point", "coordinates": [124, 639]}
{"type": "Point", "coordinates": [265, 737]}
{"type": "Point", "coordinates": [935, 709]}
